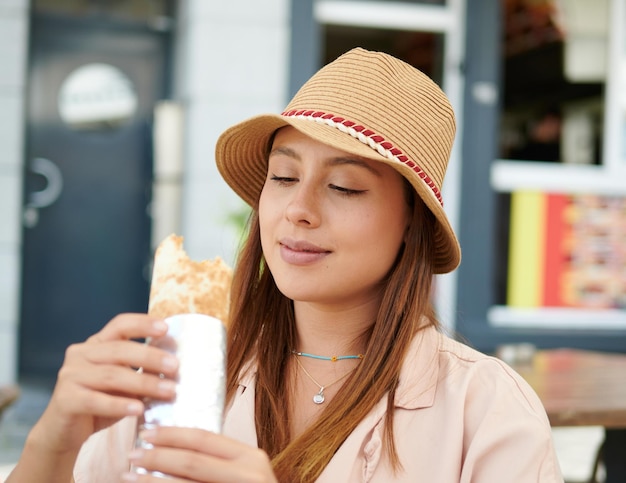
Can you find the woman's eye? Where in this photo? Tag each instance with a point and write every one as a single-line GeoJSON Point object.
{"type": "Point", "coordinates": [283, 180]}
{"type": "Point", "coordinates": [346, 191]}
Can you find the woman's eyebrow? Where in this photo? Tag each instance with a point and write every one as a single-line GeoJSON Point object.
{"type": "Point", "coordinates": [287, 151]}
{"type": "Point", "coordinates": [341, 160]}
{"type": "Point", "coordinates": [334, 161]}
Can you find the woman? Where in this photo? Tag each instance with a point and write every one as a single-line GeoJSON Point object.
{"type": "Point", "coordinates": [337, 368]}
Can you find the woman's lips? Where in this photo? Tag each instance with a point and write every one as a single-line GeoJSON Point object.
{"type": "Point", "coordinates": [299, 252]}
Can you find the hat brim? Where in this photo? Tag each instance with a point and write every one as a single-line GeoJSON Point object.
{"type": "Point", "coordinates": [242, 151]}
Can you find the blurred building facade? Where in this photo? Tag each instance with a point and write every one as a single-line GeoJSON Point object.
{"type": "Point", "coordinates": [111, 111]}
{"type": "Point", "coordinates": [218, 62]}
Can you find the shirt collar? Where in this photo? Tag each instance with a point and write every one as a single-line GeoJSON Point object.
{"type": "Point", "coordinates": [418, 376]}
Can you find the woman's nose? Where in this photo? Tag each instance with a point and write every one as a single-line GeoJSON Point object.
{"type": "Point", "coordinates": [303, 207]}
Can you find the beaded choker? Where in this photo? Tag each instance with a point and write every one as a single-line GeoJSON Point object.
{"type": "Point", "coordinates": [327, 358]}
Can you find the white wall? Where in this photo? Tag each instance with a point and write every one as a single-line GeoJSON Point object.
{"type": "Point", "coordinates": [13, 52]}
{"type": "Point", "coordinates": [232, 64]}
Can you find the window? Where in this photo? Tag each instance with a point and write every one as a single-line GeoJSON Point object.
{"type": "Point", "coordinates": [561, 176]}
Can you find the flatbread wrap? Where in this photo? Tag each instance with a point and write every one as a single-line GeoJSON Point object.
{"type": "Point", "coordinates": [184, 286]}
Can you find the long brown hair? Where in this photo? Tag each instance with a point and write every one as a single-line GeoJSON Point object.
{"type": "Point", "coordinates": [262, 331]}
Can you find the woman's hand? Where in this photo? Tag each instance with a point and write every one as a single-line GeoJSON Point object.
{"type": "Point", "coordinates": [188, 454]}
{"type": "Point", "coordinates": [99, 384]}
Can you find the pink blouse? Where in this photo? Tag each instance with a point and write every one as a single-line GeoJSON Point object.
{"type": "Point", "coordinates": [460, 417]}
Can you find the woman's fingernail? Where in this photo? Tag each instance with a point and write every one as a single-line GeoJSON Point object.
{"type": "Point", "coordinates": [159, 326]}
{"type": "Point", "coordinates": [167, 387]}
{"type": "Point", "coordinates": [147, 434]}
{"type": "Point", "coordinates": [134, 408]}
{"type": "Point", "coordinates": [136, 454]}
{"type": "Point", "coordinates": [170, 363]}
{"type": "Point", "coordinates": [129, 476]}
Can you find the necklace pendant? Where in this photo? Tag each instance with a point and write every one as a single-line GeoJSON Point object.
{"type": "Point", "coordinates": [319, 397]}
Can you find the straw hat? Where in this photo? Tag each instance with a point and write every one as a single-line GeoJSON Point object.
{"type": "Point", "coordinates": [369, 104]}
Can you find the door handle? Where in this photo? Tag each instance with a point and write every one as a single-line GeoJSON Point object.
{"type": "Point", "coordinates": [54, 183]}
{"type": "Point", "coordinates": [48, 195]}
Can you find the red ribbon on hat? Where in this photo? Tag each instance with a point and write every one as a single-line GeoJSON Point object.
{"type": "Point", "coordinates": [376, 142]}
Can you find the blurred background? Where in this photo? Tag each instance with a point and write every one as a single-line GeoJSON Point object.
{"type": "Point", "coordinates": [111, 108]}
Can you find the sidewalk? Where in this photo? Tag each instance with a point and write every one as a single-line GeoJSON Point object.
{"type": "Point", "coordinates": [576, 447]}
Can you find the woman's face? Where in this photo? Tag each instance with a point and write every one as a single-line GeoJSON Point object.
{"type": "Point", "coordinates": [331, 223]}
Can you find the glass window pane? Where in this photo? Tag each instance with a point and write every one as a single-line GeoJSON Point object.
{"type": "Point", "coordinates": [554, 73]}
{"type": "Point", "coordinates": [96, 97]}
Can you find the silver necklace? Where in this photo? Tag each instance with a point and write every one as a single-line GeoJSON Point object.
{"type": "Point", "coordinates": [319, 398]}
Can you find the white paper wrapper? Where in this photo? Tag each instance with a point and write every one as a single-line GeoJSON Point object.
{"type": "Point", "coordinates": [199, 342]}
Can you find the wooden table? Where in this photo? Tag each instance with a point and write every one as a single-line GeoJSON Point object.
{"type": "Point", "coordinates": [584, 388]}
{"type": "Point", "coordinates": [579, 388]}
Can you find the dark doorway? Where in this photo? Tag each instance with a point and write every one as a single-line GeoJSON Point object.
{"type": "Point", "coordinates": [86, 240]}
